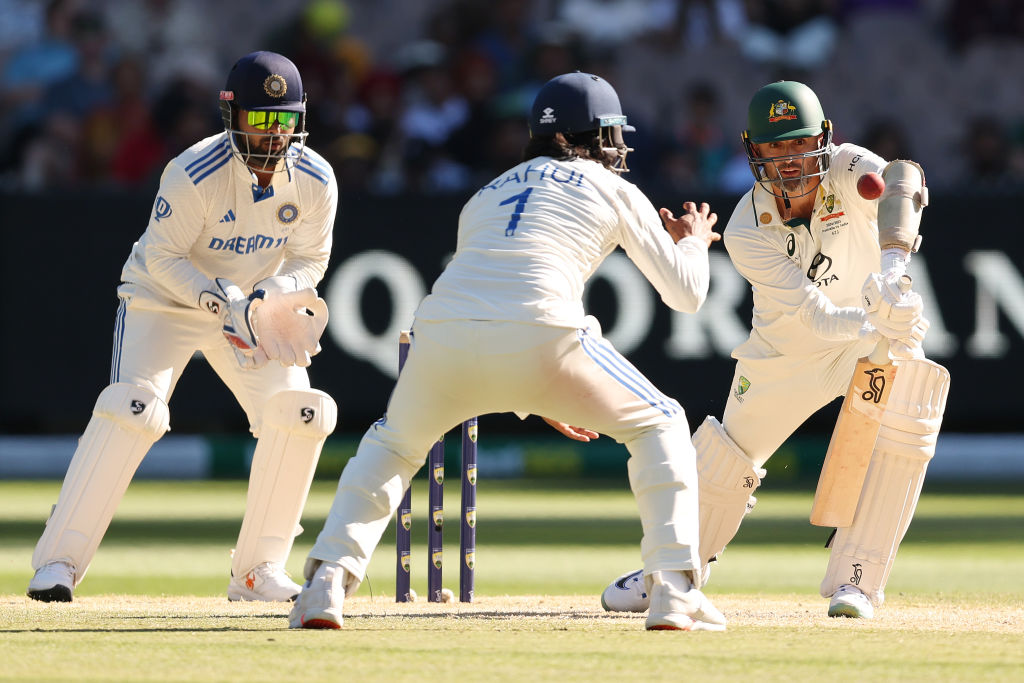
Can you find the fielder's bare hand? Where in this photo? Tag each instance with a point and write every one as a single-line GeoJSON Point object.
{"type": "Point", "coordinates": [574, 433]}
{"type": "Point", "coordinates": [694, 223]}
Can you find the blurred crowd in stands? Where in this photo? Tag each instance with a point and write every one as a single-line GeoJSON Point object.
{"type": "Point", "coordinates": [431, 95]}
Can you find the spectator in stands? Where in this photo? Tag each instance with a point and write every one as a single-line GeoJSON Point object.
{"type": "Point", "coordinates": [790, 33]}
{"type": "Point", "coordinates": [698, 132]}
{"type": "Point", "coordinates": [137, 151]}
{"type": "Point", "coordinates": [28, 71]}
{"type": "Point", "coordinates": [434, 110]}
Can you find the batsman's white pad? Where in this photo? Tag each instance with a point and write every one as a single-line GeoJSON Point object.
{"type": "Point", "coordinates": [126, 421]}
{"type": "Point", "coordinates": [727, 480]}
{"type": "Point", "coordinates": [863, 553]}
{"type": "Point", "coordinates": [900, 206]}
{"type": "Point", "coordinates": [663, 476]}
{"type": "Point", "coordinates": [295, 425]}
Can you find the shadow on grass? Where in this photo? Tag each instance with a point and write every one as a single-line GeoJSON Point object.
{"type": "Point", "coordinates": [563, 531]}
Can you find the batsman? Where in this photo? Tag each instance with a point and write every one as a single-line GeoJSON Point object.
{"type": "Point", "coordinates": [826, 257]}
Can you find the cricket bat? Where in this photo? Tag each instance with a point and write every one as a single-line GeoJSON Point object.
{"type": "Point", "coordinates": [853, 439]}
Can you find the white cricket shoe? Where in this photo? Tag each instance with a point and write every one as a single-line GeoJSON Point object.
{"type": "Point", "coordinates": [850, 601]}
{"type": "Point", "coordinates": [677, 606]}
{"type": "Point", "coordinates": [265, 582]}
{"type": "Point", "coordinates": [54, 582]}
{"type": "Point", "coordinates": [322, 597]}
{"type": "Point", "coordinates": [626, 594]}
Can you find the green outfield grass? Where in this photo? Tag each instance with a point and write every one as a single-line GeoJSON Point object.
{"type": "Point", "coordinates": [152, 606]}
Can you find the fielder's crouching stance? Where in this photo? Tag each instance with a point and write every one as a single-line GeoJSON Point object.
{"type": "Point", "coordinates": [811, 245]}
{"type": "Point", "coordinates": [255, 185]}
{"type": "Point", "coordinates": [504, 330]}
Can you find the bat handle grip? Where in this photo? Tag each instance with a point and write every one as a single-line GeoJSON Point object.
{"type": "Point", "coordinates": [880, 354]}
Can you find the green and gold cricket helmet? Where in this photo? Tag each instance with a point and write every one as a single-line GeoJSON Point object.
{"type": "Point", "coordinates": [786, 110]}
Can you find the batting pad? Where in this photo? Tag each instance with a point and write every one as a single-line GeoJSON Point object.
{"type": "Point", "coordinates": [727, 480]}
{"type": "Point", "coordinates": [294, 427]}
{"type": "Point", "coordinates": [863, 554]}
{"type": "Point", "coordinates": [126, 421]}
{"type": "Point", "coordinates": [664, 482]}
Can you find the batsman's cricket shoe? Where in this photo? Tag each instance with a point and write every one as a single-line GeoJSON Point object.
{"type": "Point", "coordinates": [677, 606]}
{"type": "Point", "coordinates": [54, 582]}
{"type": "Point", "coordinates": [628, 593]}
{"type": "Point", "coordinates": [265, 582]}
{"type": "Point", "coordinates": [322, 598]}
{"type": "Point", "coordinates": [849, 601]}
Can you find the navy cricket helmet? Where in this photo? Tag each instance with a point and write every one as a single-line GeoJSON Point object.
{"type": "Point", "coordinates": [574, 103]}
{"type": "Point", "coordinates": [264, 82]}
{"type": "Point", "coordinates": [578, 103]}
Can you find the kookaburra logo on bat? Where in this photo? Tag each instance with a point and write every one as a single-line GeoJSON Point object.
{"type": "Point", "coordinates": [876, 385]}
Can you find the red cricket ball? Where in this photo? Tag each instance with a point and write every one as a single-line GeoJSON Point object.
{"type": "Point", "coordinates": [870, 186]}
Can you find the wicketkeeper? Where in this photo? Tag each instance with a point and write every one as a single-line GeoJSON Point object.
{"type": "Point", "coordinates": [239, 236]}
{"type": "Point", "coordinates": [809, 245]}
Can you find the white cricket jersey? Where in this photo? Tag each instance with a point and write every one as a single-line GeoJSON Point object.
{"type": "Point", "coordinates": [530, 239]}
{"type": "Point", "coordinates": [801, 273]}
{"type": "Point", "coordinates": [211, 219]}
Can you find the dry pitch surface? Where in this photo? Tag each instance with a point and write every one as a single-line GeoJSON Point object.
{"type": "Point", "coordinates": [770, 638]}
{"type": "Point", "coordinates": [526, 612]}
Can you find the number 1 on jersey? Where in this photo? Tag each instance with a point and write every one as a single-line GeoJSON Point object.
{"type": "Point", "coordinates": [517, 210]}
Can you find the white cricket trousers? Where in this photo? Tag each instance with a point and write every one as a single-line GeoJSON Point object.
{"type": "Point", "coordinates": [153, 342]}
{"type": "Point", "coordinates": [771, 396]}
{"type": "Point", "coordinates": [459, 369]}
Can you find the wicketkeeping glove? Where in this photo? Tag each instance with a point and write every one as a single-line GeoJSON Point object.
{"type": "Point", "coordinates": [235, 311]}
{"type": "Point", "coordinates": [290, 325]}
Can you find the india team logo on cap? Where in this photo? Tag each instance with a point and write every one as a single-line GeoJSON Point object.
{"type": "Point", "coordinates": [275, 86]}
{"type": "Point", "coordinates": [781, 111]}
{"type": "Point", "coordinates": [287, 213]}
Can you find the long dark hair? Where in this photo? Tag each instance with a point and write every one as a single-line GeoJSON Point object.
{"type": "Point", "coordinates": [569, 146]}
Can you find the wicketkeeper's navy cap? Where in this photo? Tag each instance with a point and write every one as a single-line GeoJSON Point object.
{"type": "Point", "coordinates": [574, 103]}
{"type": "Point", "coordinates": [265, 81]}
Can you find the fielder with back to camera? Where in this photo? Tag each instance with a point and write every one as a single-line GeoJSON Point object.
{"type": "Point", "coordinates": [811, 246]}
{"type": "Point", "coordinates": [503, 330]}
{"type": "Point", "coordinates": [249, 210]}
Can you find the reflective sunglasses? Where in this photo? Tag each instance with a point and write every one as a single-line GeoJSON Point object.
{"type": "Point", "coordinates": [265, 119]}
